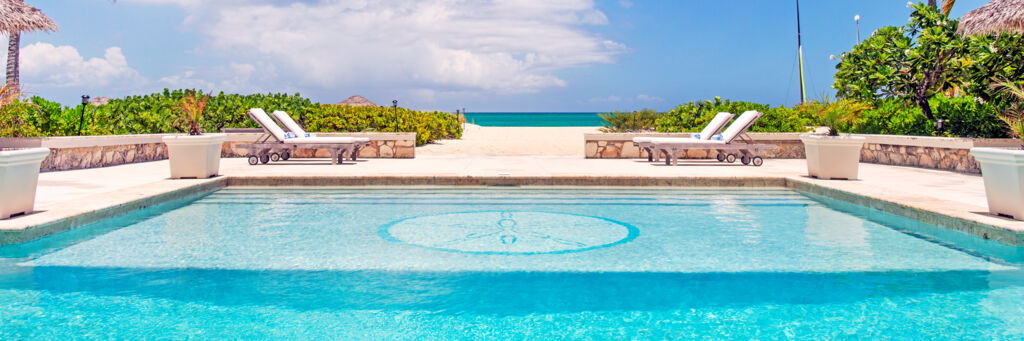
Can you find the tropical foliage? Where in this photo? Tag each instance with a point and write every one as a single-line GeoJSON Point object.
{"type": "Point", "coordinates": [1013, 115]}
{"type": "Point", "coordinates": [835, 115]}
{"type": "Point", "coordinates": [428, 126]}
{"type": "Point", "coordinates": [162, 113]}
{"type": "Point", "coordinates": [914, 62]}
{"type": "Point", "coordinates": [629, 122]}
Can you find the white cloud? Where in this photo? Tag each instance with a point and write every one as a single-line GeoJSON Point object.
{"type": "Point", "coordinates": [649, 99]}
{"type": "Point", "coordinates": [641, 98]}
{"type": "Point", "coordinates": [609, 99]}
{"type": "Point", "coordinates": [62, 66]}
{"type": "Point", "coordinates": [626, 3]}
{"type": "Point", "coordinates": [499, 46]}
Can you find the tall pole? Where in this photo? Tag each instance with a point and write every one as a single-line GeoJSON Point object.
{"type": "Point", "coordinates": [857, 19]}
{"type": "Point", "coordinates": [800, 50]}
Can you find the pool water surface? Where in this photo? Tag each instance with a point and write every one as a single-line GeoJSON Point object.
{"type": "Point", "coordinates": [509, 263]}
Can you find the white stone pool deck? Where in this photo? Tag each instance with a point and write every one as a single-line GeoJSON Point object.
{"type": "Point", "coordinates": [950, 199]}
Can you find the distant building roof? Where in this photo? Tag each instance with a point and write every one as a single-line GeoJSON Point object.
{"type": "Point", "coordinates": [358, 101]}
{"type": "Point", "coordinates": [98, 101]}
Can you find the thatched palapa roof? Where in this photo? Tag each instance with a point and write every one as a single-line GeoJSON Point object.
{"type": "Point", "coordinates": [994, 17]}
{"type": "Point", "coordinates": [16, 17]}
{"type": "Point", "coordinates": [358, 101]}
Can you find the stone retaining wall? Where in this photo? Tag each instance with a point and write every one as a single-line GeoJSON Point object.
{"type": "Point", "coordinates": [620, 146]}
{"type": "Point", "coordinates": [382, 145]}
{"type": "Point", "coordinates": [952, 154]}
{"type": "Point", "coordinates": [81, 152]}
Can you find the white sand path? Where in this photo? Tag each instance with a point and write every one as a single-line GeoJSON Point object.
{"type": "Point", "coordinates": [547, 141]}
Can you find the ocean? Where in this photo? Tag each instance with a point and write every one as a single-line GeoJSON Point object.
{"type": "Point", "coordinates": [534, 119]}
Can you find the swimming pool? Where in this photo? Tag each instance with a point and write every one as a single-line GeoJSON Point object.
{"type": "Point", "coordinates": [508, 263]}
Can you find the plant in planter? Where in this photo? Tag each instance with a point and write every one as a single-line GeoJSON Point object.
{"type": "Point", "coordinates": [831, 155]}
{"type": "Point", "coordinates": [19, 167]}
{"type": "Point", "coordinates": [195, 155]}
{"type": "Point", "coordinates": [1003, 169]}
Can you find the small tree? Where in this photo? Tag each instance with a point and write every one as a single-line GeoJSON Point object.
{"type": "Point", "coordinates": [915, 62]}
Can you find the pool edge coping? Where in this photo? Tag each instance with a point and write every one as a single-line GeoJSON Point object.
{"type": "Point", "coordinates": [168, 190]}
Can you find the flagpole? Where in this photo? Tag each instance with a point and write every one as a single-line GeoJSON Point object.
{"type": "Point", "coordinates": [800, 50]}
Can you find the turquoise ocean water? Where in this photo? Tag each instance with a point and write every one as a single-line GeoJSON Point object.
{"type": "Point", "coordinates": [534, 119]}
{"type": "Point", "coordinates": [510, 264]}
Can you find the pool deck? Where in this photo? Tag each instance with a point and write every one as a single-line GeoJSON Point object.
{"type": "Point", "coordinates": [511, 156]}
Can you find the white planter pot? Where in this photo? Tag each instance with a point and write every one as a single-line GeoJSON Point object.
{"type": "Point", "coordinates": [1003, 171]}
{"type": "Point", "coordinates": [19, 174]}
{"type": "Point", "coordinates": [832, 157]}
{"type": "Point", "coordinates": [194, 156]}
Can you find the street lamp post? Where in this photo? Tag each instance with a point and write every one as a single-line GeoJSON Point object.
{"type": "Point", "coordinates": [856, 19]}
{"type": "Point", "coordinates": [81, 119]}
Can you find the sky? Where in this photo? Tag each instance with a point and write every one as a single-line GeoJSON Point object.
{"type": "Point", "coordinates": [481, 55]}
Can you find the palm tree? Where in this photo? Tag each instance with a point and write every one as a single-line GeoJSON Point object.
{"type": "Point", "coordinates": [946, 5]}
{"type": "Point", "coordinates": [17, 17]}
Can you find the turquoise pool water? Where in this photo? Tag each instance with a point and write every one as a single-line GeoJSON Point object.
{"type": "Point", "coordinates": [510, 264]}
{"type": "Point", "coordinates": [534, 119]}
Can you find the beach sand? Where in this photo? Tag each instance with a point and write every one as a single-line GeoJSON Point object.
{"type": "Point", "coordinates": [547, 141]}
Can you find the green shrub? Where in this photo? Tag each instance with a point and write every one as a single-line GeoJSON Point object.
{"type": "Point", "coordinates": [156, 113]}
{"type": "Point", "coordinates": [693, 116]}
{"type": "Point", "coordinates": [626, 122]}
{"type": "Point", "coordinates": [17, 119]}
{"type": "Point", "coordinates": [428, 126]}
{"type": "Point", "coordinates": [965, 116]}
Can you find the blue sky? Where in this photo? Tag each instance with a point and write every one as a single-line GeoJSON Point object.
{"type": "Point", "coordinates": [496, 55]}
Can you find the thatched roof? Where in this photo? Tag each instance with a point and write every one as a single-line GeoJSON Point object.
{"type": "Point", "coordinates": [16, 16]}
{"type": "Point", "coordinates": [994, 17]}
{"type": "Point", "coordinates": [358, 101]}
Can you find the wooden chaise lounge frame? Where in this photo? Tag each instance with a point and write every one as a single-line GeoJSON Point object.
{"type": "Point", "coordinates": [750, 151]}
{"type": "Point", "coordinates": [270, 147]}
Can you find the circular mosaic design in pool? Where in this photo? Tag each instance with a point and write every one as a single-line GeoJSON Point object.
{"type": "Point", "coordinates": [509, 232]}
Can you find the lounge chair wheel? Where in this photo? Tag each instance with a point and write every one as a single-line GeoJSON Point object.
{"type": "Point", "coordinates": [721, 157]}
{"type": "Point", "coordinates": [253, 160]}
{"type": "Point", "coordinates": [730, 158]}
{"type": "Point", "coordinates": [758, 161]}
{"type": "Point", "coordinates": [275, 157]}
{"type": "Point", "coordinates": [265, 159]}
{"type": "Point", "coordinates": [286, 155]}
{"type": "Point", "coordinates": [745, 160]}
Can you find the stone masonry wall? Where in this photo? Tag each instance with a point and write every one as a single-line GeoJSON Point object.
{"type": "Point", "coordinates": [102, 156]}
{"type": "Point", "coordinates": [85, 156]}
{"type": "Point", "coordinates": [786, 149]}
{"type": "Point", "coordinates": [950, 159]}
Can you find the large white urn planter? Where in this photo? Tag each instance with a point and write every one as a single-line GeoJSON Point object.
{"type": "Point", "coordinates": [19, 174]}
{"type": "Point", "coordinates": [832, 157]}
{"type": "Point", "coordinates": [1003, 171]}
{"type": "Point", "coordinates": [196, 156]}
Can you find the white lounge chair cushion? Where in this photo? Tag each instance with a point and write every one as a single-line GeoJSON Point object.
{"type": "Point", "coordinates": [740, 125]}
{"type": "Point", "coordinates": [715, 126]}
{"type": "Point", "coordinates": [291, 135]}
{"type": "Point", "coordinates": [289, 123]}
{"type": "Point", "coordinates": [267, 123]}
{"type": "Point", "coordinates": [708, 133]}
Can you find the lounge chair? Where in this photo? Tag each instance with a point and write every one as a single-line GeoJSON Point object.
{"type": "Point", "coordinates": [710, 132]}
{"type": "Point", "coordinates": [671, 147]}
{"type": "Point", "coordinates": [280, 148]}
{"type": "Point", "coordinates": [290, 125]}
